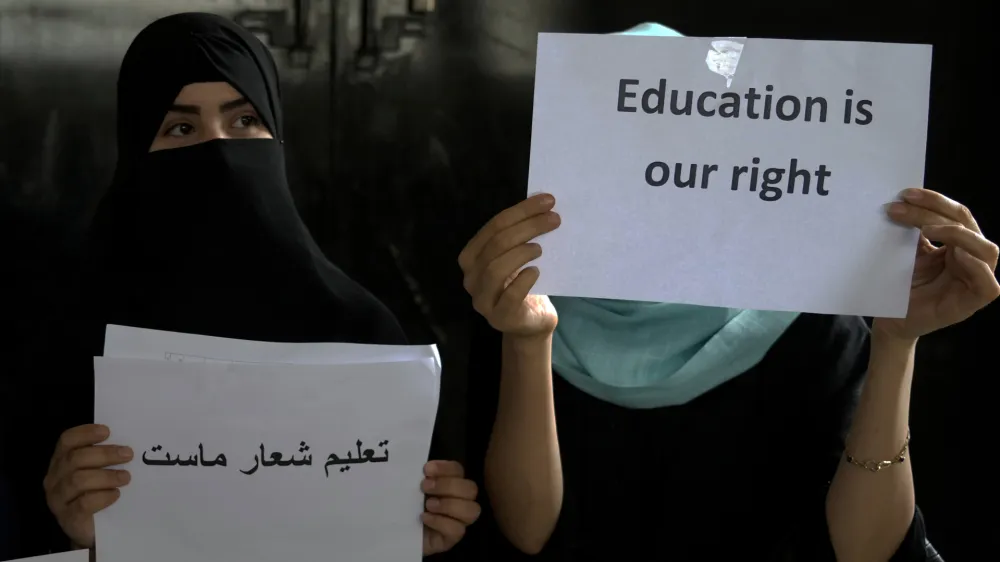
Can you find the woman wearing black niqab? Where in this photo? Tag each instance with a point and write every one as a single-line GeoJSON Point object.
{"type": "Point", "coordinates": [204, 237]}
{"type": "Point", "coordinates": [199, 234]}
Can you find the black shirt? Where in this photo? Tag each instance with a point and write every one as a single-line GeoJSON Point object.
{"type": "Point", "coordinates": [740, 473]}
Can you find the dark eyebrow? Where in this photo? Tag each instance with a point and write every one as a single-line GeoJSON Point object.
{"type": "Point", "coordinates": [189, 109]}
{"type": "Point", "coordinates": [195, 110]}
{"type": "Point", "coordinates": [231, 105]}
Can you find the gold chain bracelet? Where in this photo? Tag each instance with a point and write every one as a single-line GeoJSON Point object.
{"type": "Point", "coordinates": [875, 466]}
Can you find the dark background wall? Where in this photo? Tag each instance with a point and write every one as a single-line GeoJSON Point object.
{"type": "Point", "coordinates": [408, 125]}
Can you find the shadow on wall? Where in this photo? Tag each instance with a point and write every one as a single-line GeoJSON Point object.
{"type": "Point", "coordinates": [57, 151]}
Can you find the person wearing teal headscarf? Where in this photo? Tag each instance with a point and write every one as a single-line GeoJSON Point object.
{"type": "Point", "coordinates": [619, 430]}
{"type": "Point", "coordinates": [650, 355]}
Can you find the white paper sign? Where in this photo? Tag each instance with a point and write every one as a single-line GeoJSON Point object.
{"type": "Point", "coordinates": [613, 140]}
{"type": "Point", "coordinates": [71, 556]}
{"type": "Point", "coordinates": [312, 463]}
{"type": "Point", "coordinates": [141, 343]}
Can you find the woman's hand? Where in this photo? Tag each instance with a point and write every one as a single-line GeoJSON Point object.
{"type": "Point", "coordinates": [451, 505]}
{"type": "Point", "coordinates": [77, 485]}
{"type": "Point", "coordinates": [950, 282]}
{"type": "Point", "coordinates": [492, 263]}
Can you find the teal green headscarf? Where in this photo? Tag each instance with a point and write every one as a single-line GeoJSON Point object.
{"type": "Point", "coordinates": [650, 355]}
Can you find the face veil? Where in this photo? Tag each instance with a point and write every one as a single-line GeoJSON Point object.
{"type": "Point", "coordinates": [206, 238]}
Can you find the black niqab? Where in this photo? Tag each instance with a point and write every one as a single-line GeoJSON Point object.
{"type": "Point", "coordinates": [203, 239]}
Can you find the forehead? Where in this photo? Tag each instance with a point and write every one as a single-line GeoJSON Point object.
{"type": "Point", "coordinates": [207, 93]}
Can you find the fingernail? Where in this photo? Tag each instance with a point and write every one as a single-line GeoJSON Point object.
{"type": "Point", "coordinates": [912, 194]}
{"type": "Point", "coordinates": [554, 218]}
{"type": "Point", "coordinates": [896, 208]}
{"type": "Point", "coordinates": [428, 484]}
{"type": "Point", "coordinates": [103, 431]}
{"type": "Point", "coordinates": [433, 504]}
{"type": "Point", "coordinates": [124, 453]}
{"type": "Point", "coordinates": [124, 477]}
{"type": "Point", "coordinates": [548, 200]}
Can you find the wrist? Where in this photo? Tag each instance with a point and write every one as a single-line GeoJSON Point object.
{"type": "Point", "coordinates": [527, 354]}
{"type": "Point", "coordinates": [531, 345]}
{"type": "Point", "coordinates": [886, 342]}
{"type": "Point", "coordinates": [883, 330]}
{"type": "Point", "coordinates": [890, 365]}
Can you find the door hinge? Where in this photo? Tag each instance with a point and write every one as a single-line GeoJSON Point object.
{"type": "Point", "coordinates": [286, 29]}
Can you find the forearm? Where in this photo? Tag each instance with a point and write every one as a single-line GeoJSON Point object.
{"type": "Point", "coordinates": [868, 513]}
{"type": "Point", "coordinates": [523, 469]}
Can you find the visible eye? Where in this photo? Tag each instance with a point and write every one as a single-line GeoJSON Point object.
{"type": "Point", "coordinates": [247, 121]}
{"type": "Point", "coordinates": [179, 130]}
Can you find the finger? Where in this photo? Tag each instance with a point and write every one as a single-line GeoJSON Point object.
{"type": "Point", "coordinates": [97, 456]}
{"type": "Point", "coordinates": [925, 246]}
{"type": "Point", "coordinates": [92, 502]}
{"type": "Point", "coordinates": [434, 542]}
{"type": "Point", "coordinates": [450, 487]}
{"type": "Point", "coordinates": [907, 214]}
{"type": "Point", "coordinates": [438, 469]}
{"type": "Point", "coordinates": [521, 233]}
{"type": "Point", "coordinates": [84, 481]}
{"type": "Point", "coordinates": [515, 293]}
{"type": "Point", "coordinates": [939, 204]}
{"type": "Point", "coordinates": [81, 436]}
{"type": "Point", "coordinates": [464, 511]}
{"type": "Point", "coordinates": [493, 279]}
{"type": "Point", "coordinates": [979, 277]}
{"type": "Point", "coordinates": [534, 205]}
{"type": "Point", "coordinates": [450, 529]}
{"type": "Point", "coordinates": [961, 237]}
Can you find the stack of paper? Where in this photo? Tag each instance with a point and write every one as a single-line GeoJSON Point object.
{"type": "Point", "coordinates": [260, 452]}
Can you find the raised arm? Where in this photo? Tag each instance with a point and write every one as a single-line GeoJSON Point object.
{"type": "Point", "coordinates": [869, 510]}
{"type": "Point", "coordinates": [523, 469]}
{"type": "Point", "coordinates": [868, 513]}
{"type": "Point", "coordinates": [523, 474]}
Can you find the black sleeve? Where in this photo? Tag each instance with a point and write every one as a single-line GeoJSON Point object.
{"type": "Point", "coordinates": [846, 361]}
{"type": "Point", "coordinates": [38, 401]}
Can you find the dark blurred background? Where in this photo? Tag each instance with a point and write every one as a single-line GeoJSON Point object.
{"type": "Point", "coordinates": [408, 126]}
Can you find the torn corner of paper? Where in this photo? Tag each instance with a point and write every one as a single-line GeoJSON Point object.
{"type": "Point", "coordinates": [724, 57]}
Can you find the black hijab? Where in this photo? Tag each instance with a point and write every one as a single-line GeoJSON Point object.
{"type": "Point", "coordinates": [206, 239]}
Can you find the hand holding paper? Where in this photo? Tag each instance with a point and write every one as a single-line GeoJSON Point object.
{"type": "Point", "coordinates": [492, 263]}
{"type": "Point", "coordinates": [237, 458]}
{"type": "Point", "coordinates": [79, 482]}
{"type": "Point", "coordinates": [451, 505]}
{"type": "Point", "coordinates": [950, 282]}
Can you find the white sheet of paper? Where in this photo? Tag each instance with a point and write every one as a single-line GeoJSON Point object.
{"type": "Point", "coordinates": [71, 556]}
{"type": "Point", "coordinates": [622, 238]}
{"type": "Point", "coordinates": [368, 513]}
{"type": "Point", "coordinates": [140, 343]}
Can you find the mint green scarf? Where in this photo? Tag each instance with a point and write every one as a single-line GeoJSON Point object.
{"type": "Point", "coordinates": [650, 355]}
